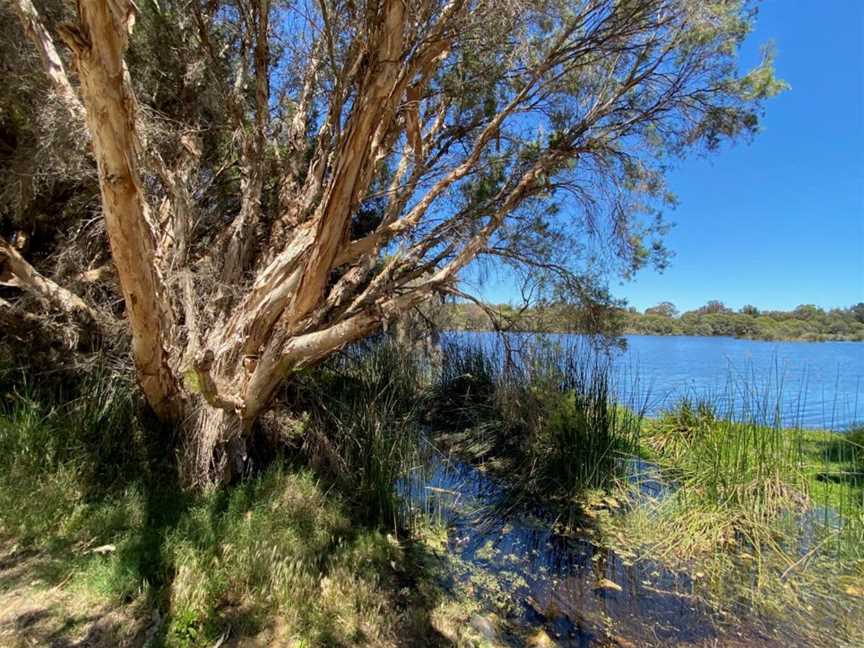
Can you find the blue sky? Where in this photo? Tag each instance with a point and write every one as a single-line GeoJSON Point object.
{"type": "Point", "coordinates": [778, 222]}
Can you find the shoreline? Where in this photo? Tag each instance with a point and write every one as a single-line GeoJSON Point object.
{"type": "Point", "coordinates": [657, 335]}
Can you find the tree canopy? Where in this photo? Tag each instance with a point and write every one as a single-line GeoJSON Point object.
{"type": "Point", "coordinates": [273, 179]}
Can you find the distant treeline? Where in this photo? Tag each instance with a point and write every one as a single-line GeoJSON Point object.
{"type": "Point", "coordinates": [806, 322]}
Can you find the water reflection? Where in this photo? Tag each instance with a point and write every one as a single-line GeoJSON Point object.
{"type": "Point", "coordinates": [581, 593]}
{"type": "Point", "coordinates": [805, 384]}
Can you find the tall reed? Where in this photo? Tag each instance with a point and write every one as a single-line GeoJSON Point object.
{"type": "Point", "coordinates": [363, 427]}
{"type": "Point", "coordinates": [547, 413]}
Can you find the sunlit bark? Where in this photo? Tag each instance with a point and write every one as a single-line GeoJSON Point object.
{"type": "Point", "coordinates": [99, 41]}
{"type": "Point", "coordinates": [380, 114]}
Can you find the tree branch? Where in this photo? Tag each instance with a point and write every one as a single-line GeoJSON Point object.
{"type": "Point", "coordinates": [51, 61]}
{"type": "Point", "coordinates": [28, 278]}
{"type": "Point", "coordinates": [99, 41]}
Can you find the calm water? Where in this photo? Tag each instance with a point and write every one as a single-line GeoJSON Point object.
{"type": "Point", "coordinates": [514, 561]}
{"type": "Point", "coordinates": [816, 384]}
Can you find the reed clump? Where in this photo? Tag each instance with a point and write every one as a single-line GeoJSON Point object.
{"type": "Point", "coordinates": [744, 475]}
{"type": "Point", "coordinates": [361, 427]}
{"type": "Point", "coordinates": [547, 419]}
{"type": "Point", "coordinates": [759, 514]}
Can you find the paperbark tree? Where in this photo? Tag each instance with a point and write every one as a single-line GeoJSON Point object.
{"type": "Point", "coordinates": [360, 155]}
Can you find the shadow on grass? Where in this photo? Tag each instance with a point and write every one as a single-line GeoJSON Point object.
{"type": "Point", "coordinates": [36, 610]}
{"type": "Point", "coordinates": [200, 563]}
{"type": "Point", "coordinates": [94, 526]}
{"type": "Point", "coordinates": [45, 627]}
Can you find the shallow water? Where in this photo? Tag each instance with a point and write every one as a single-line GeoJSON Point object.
{"type": "Point", "coordinates": [578, 592]}
{"type": "Point", "coordinates": [816, 384]}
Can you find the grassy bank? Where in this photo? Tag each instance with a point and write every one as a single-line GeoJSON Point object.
{"type": "Point", "coordinates": [99, 543]}
{"type": "Point", "coordinates": [765, 520]}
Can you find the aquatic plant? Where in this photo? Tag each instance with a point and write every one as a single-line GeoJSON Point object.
{"type": "Point", "coordinates": [759, 514]}
{"type": "Point", "coordinates": [545, 415]}
{"type": "Point", "coordinates": [464, 393]}
{"type": "Point", "coordinates": [678, 428]}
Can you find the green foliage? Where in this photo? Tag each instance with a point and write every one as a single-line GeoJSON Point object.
{"type": "Point", "coordinates": [275, 545]}
{"type": "Point", "coordinates": [753, 481]}
{"type": "Point", "coordinates": [549, 420]}
{"type": "Point", "coordinates": [52, 456]}
{"type": "Point", "coordinates": [581, 441]}
{"type": "Point", "coordinates": [856, 440]}
{"type": "Point", "coordinates": [464, 393]}
{"type": "Point", "coordinates": [751, 472]}
{"type": "Point", "coordinates": [806, 322]}
{"type": "Point", "coordinates": [676, 430]}
{"type": "Point", "coordinates": [79, 471]}
{"type": "Point", "coordinates": [763, 516]}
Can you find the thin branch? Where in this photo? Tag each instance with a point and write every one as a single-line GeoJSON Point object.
{"type": "Point", "coordinates": [51, 61]}
{"type": "Point", "coordinates": [29, 279]}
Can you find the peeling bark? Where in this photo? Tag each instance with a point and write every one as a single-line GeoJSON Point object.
{"type": "Point", "coordinates": [99, 41]}
{"type": "Point", "coordinates": [51, 61]}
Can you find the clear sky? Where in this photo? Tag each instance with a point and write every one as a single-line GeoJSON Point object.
{"type": "Point", "coordinates": [778, 222]}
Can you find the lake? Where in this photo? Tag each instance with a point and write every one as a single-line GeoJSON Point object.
{"type": "Point", "coordinates": [816, 384]}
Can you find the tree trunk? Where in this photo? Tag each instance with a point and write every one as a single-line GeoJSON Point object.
{"type": "Point", "coordinates": [213, 445]}
{"type": "Point", "coordinates": [99, 42]}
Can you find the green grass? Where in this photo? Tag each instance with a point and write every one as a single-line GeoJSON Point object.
{"type": "Point", "coordinates": [750, 481]}
{"type": "Point", "coordinates": [278, 546]}
{"type": "Point", "coordinates": [550, 422]}
{"type": "Point", "coordinates": [742, 475]}
{"type": "Point", "coordinates": [284, 556]}
{"type": "Point", "coordinates": [835, 466]}
{"type": "Point", "coordinates": [362, 427]}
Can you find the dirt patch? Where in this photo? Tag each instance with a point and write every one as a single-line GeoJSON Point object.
{"type": "Point", "coordinates": [37, 612]}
